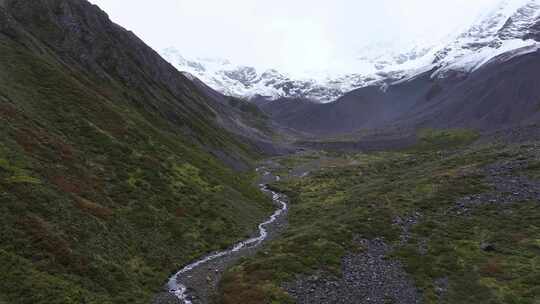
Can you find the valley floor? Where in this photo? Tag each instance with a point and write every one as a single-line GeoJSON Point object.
{"type": "Point", "coordinates": [450, 220]}
{"type": "Point", "coordinates": [197, 282]}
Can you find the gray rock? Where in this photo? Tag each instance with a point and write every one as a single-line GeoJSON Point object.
{"type": "Point", "coordinates": [488, 247]}
{"type": "Point", "coordinates": [508, 186]}
{"type": "Point", "coordinates": [367, 277]}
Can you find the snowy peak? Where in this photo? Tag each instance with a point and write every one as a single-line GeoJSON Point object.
{"type": "Point", "coordinates": [249, 82]}
{"type": "Point", "coordinates": [245, 75]}
{"type": "Point", "coordinates": [508, 27]}
{"type": "Point", "coordinates": [511, 26]}
{"type": "Point", "coordinates": [510, 20]}
{"type": "Point", "coordinates": [523, 24]}
{"type": "Point", "coordinates": [385, 56]}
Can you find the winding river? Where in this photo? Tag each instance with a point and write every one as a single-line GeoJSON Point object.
{"type": "Point", "coordinates": [180, 290]}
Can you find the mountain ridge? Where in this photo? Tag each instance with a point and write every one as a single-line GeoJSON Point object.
{"type": "Point", "coordinates": [509, 26]}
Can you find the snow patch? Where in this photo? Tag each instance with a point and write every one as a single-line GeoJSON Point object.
{"type": "Point", "coordinates": [471, 62]}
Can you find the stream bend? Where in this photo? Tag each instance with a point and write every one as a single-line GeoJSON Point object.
{"type": "Point", "coordinates": [180, 290]}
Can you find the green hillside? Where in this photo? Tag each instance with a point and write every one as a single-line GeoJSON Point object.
{"type": "Point", "coordinates": [462, 220]}
{"type": "Point", "coordinates": [109, 172]}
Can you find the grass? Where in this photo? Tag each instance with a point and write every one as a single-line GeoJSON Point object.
{"type": "Point", "coordinates": [533, 170]}
{"type": "Point", "coordinates": [102, 197]}
{"type": "Point", "coordinates": [247, 107]}
{"type": "Point", "coordinates": [507, 275]}
{"type": "Point", "coordinates": [252, 115]}
{"type": "Point", "coordinates": [433, 139]}
{"type": "Point", "coordinates": [364, 195]}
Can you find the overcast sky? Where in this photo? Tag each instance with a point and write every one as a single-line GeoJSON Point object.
{"type": "Point", "coordinates": [292, 35]}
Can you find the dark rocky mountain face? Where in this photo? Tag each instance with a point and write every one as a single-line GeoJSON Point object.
{"type": "Point", "coordinates": [483, 78]}
{"type": "Point", "coordinates": [367, 108]}
{"type": "Point", "coordinates": [84, 38]}
{"type": "Point", "coordinates": [534, 32]}
{"type": "Point", "coordinates": [522, 23]}
{"type": "Point", "coordinates": [503, 93]}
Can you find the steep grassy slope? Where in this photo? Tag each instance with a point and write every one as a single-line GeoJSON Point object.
{"type": "Point", "coordinates": [109, 179]}
{"type": "Point", "coordinates": [464, 216]}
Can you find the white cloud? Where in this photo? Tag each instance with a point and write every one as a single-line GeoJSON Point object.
{"type": "Point", "coordinates": [291, 35]}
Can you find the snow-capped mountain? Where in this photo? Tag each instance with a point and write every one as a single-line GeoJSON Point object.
{"type": "Point", "coordinates": [249, 82]}
{"type": "Point", "coordinates": [511, 26]}
{"type": "Point", "coordinates": [386, 56]}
